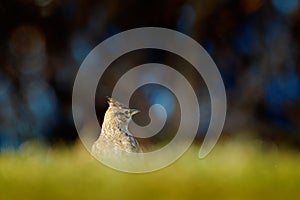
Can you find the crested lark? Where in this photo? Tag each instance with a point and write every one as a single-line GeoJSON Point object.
{"type": "Point", "coordinates": [115, 140]}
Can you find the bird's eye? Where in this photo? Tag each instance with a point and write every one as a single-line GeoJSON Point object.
{"type": "Point", "coordinates": [126, 112]}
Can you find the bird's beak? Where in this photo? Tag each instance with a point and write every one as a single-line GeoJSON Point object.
{"type": "Point", "coordinates": [134, 111]}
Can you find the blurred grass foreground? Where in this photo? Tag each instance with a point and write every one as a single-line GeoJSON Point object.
{"type": "Point", "coordinates": [234, 170]}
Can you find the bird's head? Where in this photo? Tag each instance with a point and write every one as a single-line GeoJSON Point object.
{"type": "Point", "coordinates": [119, 112]}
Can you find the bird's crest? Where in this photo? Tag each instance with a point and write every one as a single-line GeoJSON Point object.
{"type": "Point", "coordinates": [114, 103]}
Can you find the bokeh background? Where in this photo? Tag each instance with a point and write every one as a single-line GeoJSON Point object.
{"type": "Point", "coordinates": [254, 43]}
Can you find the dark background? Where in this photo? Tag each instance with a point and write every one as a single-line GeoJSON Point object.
{"type": "Point", "coordinates": [255, 44]}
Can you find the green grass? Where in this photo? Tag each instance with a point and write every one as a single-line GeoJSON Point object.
{"type": "Point", "coordinates": [232, 171]}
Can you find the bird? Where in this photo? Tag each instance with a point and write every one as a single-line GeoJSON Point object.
{"type": "Point", "coordinates": [115, 140]}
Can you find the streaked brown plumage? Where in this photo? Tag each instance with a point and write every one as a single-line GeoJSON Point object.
{"type": "Point", "coordinates": [115, 139]}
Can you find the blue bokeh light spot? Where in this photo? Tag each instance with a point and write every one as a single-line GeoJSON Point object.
{"type": "Point", "coordinates": [285, 6]}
